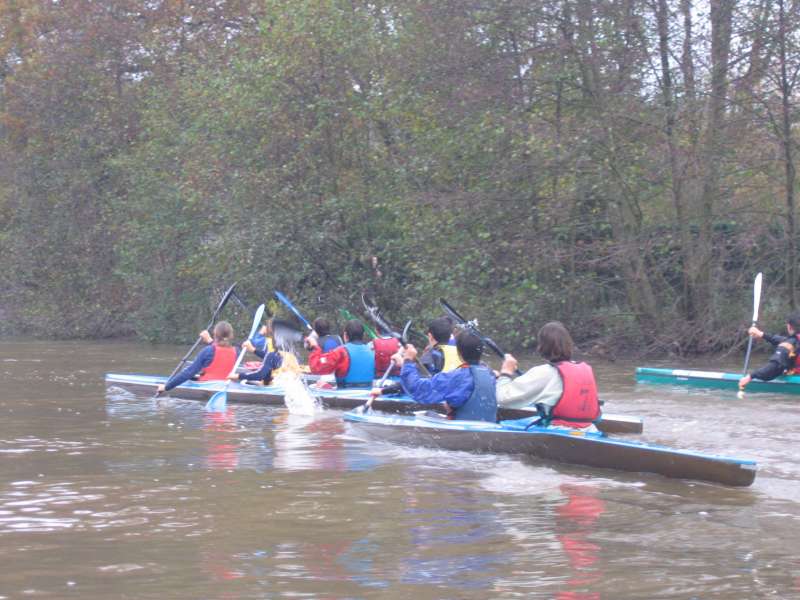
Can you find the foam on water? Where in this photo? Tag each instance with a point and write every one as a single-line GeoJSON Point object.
{"type": "Point", "coordinates": [298, 398]}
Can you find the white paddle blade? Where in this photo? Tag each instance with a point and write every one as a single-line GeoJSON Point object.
{"type": "Point", "coordinates": [756, 297]}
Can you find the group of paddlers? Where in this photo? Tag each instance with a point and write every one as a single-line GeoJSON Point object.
{"type": "Point", "coordinates": [449, 371]}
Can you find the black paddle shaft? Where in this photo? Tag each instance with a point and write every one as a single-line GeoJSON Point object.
{"type": "Point", "coordinates": [472, 328]}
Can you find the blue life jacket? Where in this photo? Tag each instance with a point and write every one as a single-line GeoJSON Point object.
{"type": "Point", "coordinates": [329, 342]}
{"type": "Point", "coordinates": [482, 403]}
{"type": "Point", "coordinates": [362, 366]}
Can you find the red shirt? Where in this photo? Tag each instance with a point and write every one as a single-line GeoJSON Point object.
{"type": "Point", "coordinates": [336, 361]}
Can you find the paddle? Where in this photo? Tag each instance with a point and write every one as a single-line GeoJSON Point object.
{"type": "Point", "coordinates": [756, 303]}
{"type": "Point", "coordinates": [472, 326]}
{"type": "Point", "coordinates": [285, 301]}
{"type": "Point", "coordinates": [218, 401]}
{"type": "Point", "coordinates": [374, 314]}
{"type": "Point", "coordinates": [225, 297]}
{"type": "Point", "coordinates": [403, 340]}
{"type": "Point", "coordinates": [348, 316]}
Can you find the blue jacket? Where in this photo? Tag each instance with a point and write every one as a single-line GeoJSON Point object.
{"type": "Point", "coordinates": [271, 361]}
{"type": "Point", "coordinates": [454, 387]}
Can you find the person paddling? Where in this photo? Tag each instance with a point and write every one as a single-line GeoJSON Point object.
{"type": "Point", "coordinates": [353, 363]}
{"type": "Point", "coordinates": [214, 362]}
{"type": "Point", "coordinates": [784, 360]}
{"type": "Point", "coordinates": [321, 331]}
{"type": "Point", "coordinates": [440, 356]}
{"type": "Point", "coordinates": [468, 391]}
{"type": "Point", "coordinates": [262, 343]}
{"type": "Point", "coordinates": [564, 391]}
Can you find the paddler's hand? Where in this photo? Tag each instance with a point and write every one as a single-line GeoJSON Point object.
{"type": "Point", "coordinates": [248, 345]}
{"type": "Point", "coordinates": [233, 377]}
{"type": "Point", "coordinates": [397, 358]}
{"type": "Point", "coordinates": [409, 353]}
{"type": "Point", "coordinates": [206, 336]}
{"type": "Point", "coordinates": [755, 332]}
{"type": "Point", "coordinates": [375, 392]}
{"type": "Point", "coordinates": [160, 389]}
{"type": "Point", "coordinates": [311, 343]}
{"type": "Point", "coordinates": [509, 366]}
{"type": "Point", "coordinates": [744, 381]}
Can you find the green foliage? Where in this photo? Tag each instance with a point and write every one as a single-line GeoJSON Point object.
{"type": "Point", "coordinates": [509, 157]}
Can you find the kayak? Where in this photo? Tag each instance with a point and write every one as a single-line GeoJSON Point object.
{"type": "Point", "coordinates": [553, 443]}
{"type": "Point", "coordinates": [786, 384]}
{"type": "Point", "coordinates": [345, 399]}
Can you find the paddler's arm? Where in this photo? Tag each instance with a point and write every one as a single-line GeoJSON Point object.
{"type": "Point", "coordinates": [271, 362]}
{"type": "Point", "coordinates": [201, 361]}
{"type": "Point", "coordinates": [328, 362]}
{"type": "Point", "coordinates": [525, 390]}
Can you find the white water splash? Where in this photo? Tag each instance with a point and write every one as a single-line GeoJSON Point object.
{"type": "Point", "coordinates": [297, 396]}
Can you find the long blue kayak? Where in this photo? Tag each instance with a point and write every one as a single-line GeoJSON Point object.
{"type": "Point", "coordinates": [558, 444]}
{"type": "Point", "coordinates": [344, 399]}
{"type": "Point", "coordinates": [787, 384]}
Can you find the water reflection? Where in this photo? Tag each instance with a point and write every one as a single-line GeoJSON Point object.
{"type": "Point", "coordinates": [575, 521]}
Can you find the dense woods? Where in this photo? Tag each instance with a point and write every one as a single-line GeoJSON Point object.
{"type": "Point", "coordinates": [625, 167]}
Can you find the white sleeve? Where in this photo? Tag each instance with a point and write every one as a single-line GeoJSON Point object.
{"type": "Point", "coordinates": [541, 384]}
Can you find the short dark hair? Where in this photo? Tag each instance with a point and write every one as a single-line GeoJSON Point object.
{"type": "Point", "coordinates": [794, 320]}
{"type": "Point", "coordinates": [322, 326]}
{"type": "Point", "coordinates": [354, 330]}
{"type": "Point", "coordinates": [441, 329]}
{"type": "Point", "coordinates": [469, 346]}
{"type": "Point", "coordinates": [554, 342]}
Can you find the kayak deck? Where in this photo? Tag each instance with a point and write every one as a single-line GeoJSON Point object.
{"type": "Point", "coordinates": [787, 384]}
{"type": "Point", "coordinates": [343, 399]}
{"type": "Point", "coordinates": [563, 445]}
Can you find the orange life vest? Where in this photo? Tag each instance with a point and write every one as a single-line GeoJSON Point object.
{"type": "Point", "coordinates": [221, 365]}
{"type": "Point", "coordinates": [579, 405]}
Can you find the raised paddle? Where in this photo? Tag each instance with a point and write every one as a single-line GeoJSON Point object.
{"type": "Point", "coordinates": [285, 301]}
{"type": "Point", "coordinates": [472, 327]}
{"type": "Point", "coordinates": [374, 314]}
{"type": "Point", "coordinates": [218, 401]}
{"type": "Point", "coordinates": [225, 297]}
{"type": "Point", "coordinates": [756, 303]}
{"type": "Point", "coordinates": [348, 316]}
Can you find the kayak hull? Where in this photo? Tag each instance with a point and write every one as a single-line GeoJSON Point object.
{"type": "Point", "coordinates": [787, 384]}
{"type": "Point", "coordinates": [347, 399]}
{"type": "Point", "coordinates": [562, 445]}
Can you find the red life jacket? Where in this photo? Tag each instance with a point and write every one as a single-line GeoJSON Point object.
{"type": "Point", "coordinates": [221, 365]}
{"type": "Point", "coordinates": [384, 348]}
{"type": "Point", "coordinates": [579, 405]}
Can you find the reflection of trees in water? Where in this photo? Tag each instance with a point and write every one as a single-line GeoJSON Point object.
{"type": "Point", "coordinates": [576, 520]}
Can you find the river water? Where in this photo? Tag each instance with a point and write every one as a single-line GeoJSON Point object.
{"type": "Point", "coordinates": [107, 495]}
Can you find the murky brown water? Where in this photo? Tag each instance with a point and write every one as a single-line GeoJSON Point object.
{"type": "Point", "coordinates": [105, 495]}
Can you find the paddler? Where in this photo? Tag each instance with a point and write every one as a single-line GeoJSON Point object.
{"type": "Point", "coordinates": [785, 358]}
{"type": "Point", "coordinates": [214, 362]}
{"type": "Point", "coordinates": [439, 356]}
{"type": "Point", "coordinates": [468, 392]}
{"type": "Point", "coordinates": [261, 343]}
{"type": "Point", "coordinates": [321, 330]}
{"type": "Point", "coordinates": [353, 363]}
{"type": "Point", "coordinates": [564, 391]}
